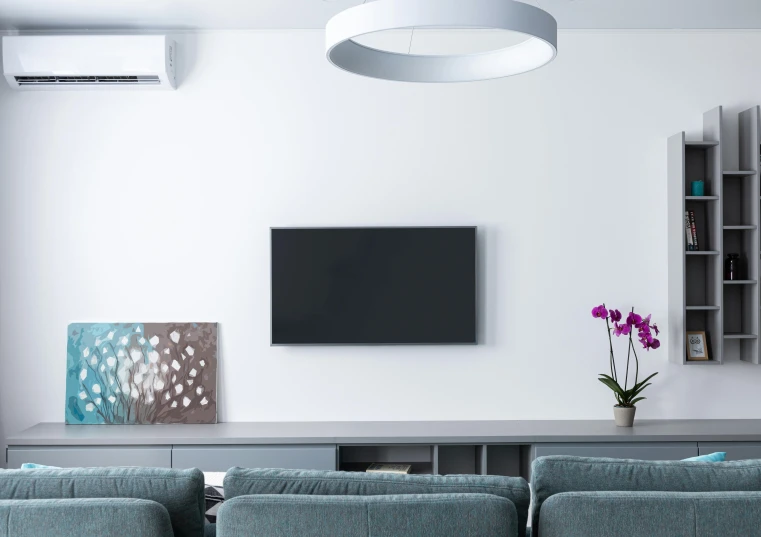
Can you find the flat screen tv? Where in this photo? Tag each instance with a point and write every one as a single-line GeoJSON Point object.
{"type": "Point", "coordinates": [374, 286]}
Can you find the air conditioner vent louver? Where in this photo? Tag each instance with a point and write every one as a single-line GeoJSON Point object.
{"type": "Point", "coordinates": [86, 80]}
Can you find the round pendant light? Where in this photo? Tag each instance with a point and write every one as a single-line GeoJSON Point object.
{"type": "Point", "coordinates": [538, 26]}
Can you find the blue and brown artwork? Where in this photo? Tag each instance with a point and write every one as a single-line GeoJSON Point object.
{"type": "Point", "coordinates": [141, 373]}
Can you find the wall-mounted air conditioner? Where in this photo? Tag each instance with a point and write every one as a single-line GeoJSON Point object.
{"type": "Point", "coordinates": [89, 62]}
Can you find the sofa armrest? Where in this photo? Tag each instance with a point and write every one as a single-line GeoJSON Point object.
{"type": "Point", "coordinates": [631, 514]}
{"type": "Point", "coordinates": [408, 515]}
{"type": "Point", "coordinates": [125, 517]}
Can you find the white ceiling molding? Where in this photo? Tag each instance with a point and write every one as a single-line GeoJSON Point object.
{"type": "Point", "coordinates": [163, 15]}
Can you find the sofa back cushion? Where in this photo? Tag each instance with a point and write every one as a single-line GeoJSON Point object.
{"type": "Point", "coordinates": [409, 515]}
{"type": "Point", "coordinates": [240, 482]}
{"type": "Point", "coordinates": [556, 474]}
{"type": "Point", "coordinates": [126, 517]}
{"type": "Point", "coordinates": [676, 514]}
{"type": "Point", "coordinates": [179, 491]}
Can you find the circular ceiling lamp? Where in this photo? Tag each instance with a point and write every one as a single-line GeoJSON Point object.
{"type": "Point", "coordinates": [538, 26]}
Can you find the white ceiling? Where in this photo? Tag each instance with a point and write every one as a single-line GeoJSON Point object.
{"type": "Point", "coordinates": [294, 14]}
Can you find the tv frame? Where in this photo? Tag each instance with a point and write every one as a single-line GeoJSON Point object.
{"type": "Point", "coordinates": [436, 344]}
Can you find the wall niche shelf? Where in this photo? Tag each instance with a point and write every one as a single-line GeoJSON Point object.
{"type": "Point", "coordinates": [727, 221]}
{"type": "Point", "coordinates": [739, 336]}
{"type": "Point", "coordinates": [746, 173]}
{"type": "Point", "coordinates": [700, 144]}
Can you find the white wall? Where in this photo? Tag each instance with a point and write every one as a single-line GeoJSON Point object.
{"type": "Point", "coordinates": [156, 206]}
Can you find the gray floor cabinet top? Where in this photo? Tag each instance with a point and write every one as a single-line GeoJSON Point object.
{"type": "Point", "coordinates": [405, 432]}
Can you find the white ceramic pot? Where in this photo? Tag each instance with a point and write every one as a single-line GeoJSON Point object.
{"type": "Point", "coordinates": [624, 416]}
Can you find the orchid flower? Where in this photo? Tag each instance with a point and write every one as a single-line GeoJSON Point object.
{"type": "Point", "coordinates": [626, 396]}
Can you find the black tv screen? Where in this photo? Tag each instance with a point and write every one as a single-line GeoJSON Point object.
{"type": "Point", "coordinates": [374, 286]}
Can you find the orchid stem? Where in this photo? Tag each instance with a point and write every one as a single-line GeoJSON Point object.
{"type": "Point", "coordinates": [628, 356]}
{"type": "Point", "coordinates": [636, 362]}
{"type": "Point", "coordinates": [613, 372]}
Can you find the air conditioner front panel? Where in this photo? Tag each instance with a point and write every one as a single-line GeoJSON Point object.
{"type": "Point", "coordinates": [98, 61]}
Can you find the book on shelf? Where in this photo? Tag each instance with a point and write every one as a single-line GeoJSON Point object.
{"type": "Point", "coordinates": [694, 230]}
{"type": "Point", "coordinates": [378, 468]}
{"type": "Point", "coordinates": [688, 231]}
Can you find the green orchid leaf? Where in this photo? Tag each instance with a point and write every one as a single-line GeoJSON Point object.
{"type": "Point", "coordinates": [611, 383]}
{"type": "Point", "coordinates": [644, 381]}
{"type": "Point", "coordinates": [609, 378]}
{"type": "Point", "coordinates": [638, 391]}
{"type": "Point", "coordinates": [613, 386]}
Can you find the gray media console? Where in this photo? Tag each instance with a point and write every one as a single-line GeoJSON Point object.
{"type": "Point", "coordinates": [463, 447]}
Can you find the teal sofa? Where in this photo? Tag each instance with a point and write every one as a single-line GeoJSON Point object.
{"type": "Point", "coordinates": [280, 503]}
{"type": "Point", "coordinates": [76, 500]}
{"type": "Point", "coordinates": [572, 497]}
{"type": "Point", "coordinates": [577, 496]}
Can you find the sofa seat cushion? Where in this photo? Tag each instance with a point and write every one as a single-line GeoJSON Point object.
{"type": "Point", "coordinates": [633, 514]}
{"type": "Point", "coordinates": [126, 517]}
{"type": "Point", "coordinates": [179, 491]}
{"type": "Point", "coordinates": [240, 482]}
{"type": "Point", "coordinates": [557, 474]}
{"type": "Point", "coordinates": [408, 515]}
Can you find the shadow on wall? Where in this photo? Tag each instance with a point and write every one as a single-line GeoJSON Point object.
{"type": "Point", "coordinates": [487, 313]}
{"type": "Point", "coordinates": [3, 433]}
{"type": "Point", "coordinates": [481, 296]}
{"type": "Point", "coordinates": [220, 376]}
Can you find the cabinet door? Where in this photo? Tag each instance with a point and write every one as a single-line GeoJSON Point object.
{"type": "Point", "coordinates": [90, 457]}
{"type": "Point", "coordinates": [222, 458]}
{"type": "Point", "coordinates": [736, 451]}
{"type": "Point", "coordinates": [646, 451]}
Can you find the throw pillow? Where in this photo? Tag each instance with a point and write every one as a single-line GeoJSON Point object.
{"type": "Point", "coordinates": [214, 497]}
{"type": "Point", "coordinates": [713, 457]}
{"type": "Point", "coordinates": [214, 494]}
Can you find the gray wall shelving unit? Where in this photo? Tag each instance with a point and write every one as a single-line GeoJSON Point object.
{"type": "Point", "coordinates": [727, 221]}
{"type": "Point", "coordinates": [750, 205]}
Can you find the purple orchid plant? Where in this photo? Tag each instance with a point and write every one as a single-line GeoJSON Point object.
{"type": "Point", "coordinates": [646, 333]}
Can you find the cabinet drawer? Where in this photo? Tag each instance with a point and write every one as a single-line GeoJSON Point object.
{"type": "Point", "coordinates": [736, 451]}
{"type": "Point", "coordinates": [660, 451]}
{"type": "Point", "coordinates": [77, 457]}
{"type": "Point", "coordinates": [222, 458]}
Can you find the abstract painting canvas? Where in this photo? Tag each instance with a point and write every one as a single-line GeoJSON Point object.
{"type": "Point", "coordinates": [141, 373]}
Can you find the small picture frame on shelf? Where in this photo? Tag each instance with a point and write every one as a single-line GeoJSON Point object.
{"type": "Point", "coordinates": [697, 347]}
